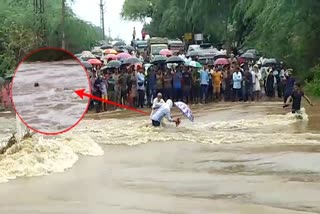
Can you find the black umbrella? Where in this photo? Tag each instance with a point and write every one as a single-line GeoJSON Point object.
{"type": "Point", "coordinates": [129, 48]}
{"type": "Point", "coordinates": [112, 64]}
{"type": "Point", "coordinates": [175, 59]}
{"type": "Point", "coordinates": [220, 56]}
{"type": "Point", "coordinates": [269, 62]}
{"type": "Point", "coordinates": [132, 60]}
{"type": "Point", "coordinates": [159, 59]}
{"type": "Point", "coordinates": [119, 49]}
{"type": "Point", "coordinates": [86, 64]}
{"type": "Point", "coordinates": [248, 55]}
{"type": "Point", "coordinates": [104, 47]}
{"type": "Point", "coordinates": [117, 44]}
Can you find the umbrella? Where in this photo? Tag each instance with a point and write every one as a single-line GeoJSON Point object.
{"type": "Point", "coordinates": [108, 46]}
{"type": "Point", "coordinates": [94, 62]}
{"type": "Point", "coordinates": [159, 59]}
{"type": "Point", "coordinates": [111, 56]}
{"type": "Point", "coordinates": [117, 44]}
{"type": "Point", "coordinates": [219, 56]}
{"type": "Point", "coordinates": [86, 64]}
{"type": "Point", "coordinates": [86, 53]}
{"type": "Point", "coordinates": [110, 51]}
{"type": "Point", "coordinates": [269, 62]}
{"type": "Point", "coordinates": [194, 64]}
{"type": "Point", "coordinates": [123, 56]}
{"type": "Point", "coordinates": [221, 61]}
{"type": "Point", "coordinates": [129, 48]}
{"type": "Point", "coordinates": [194, 53]}
{"type": "Point", "coordinates": [120, 49]}
{"type": "Point", "coordinates": [184, 108]}
{"type": "Point", "coordinates": [175, 59]}
{"type": "Point", "coordinates": [86, 58]}
{"type": "Point", "coordinates": [112, 64]}
{"type": "Point", "coordinates": [165, 52]}
{"type": "Point", "coordinates": [78, 55]}
{"type": "Point", "coordinates": [132, 60]}
{"type": "Point", "coordinates": [249, 56]}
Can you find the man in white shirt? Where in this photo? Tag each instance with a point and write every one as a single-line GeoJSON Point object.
{"type": "Point", "coordinates": [157, 102]}
{"type": "Point", "coordinates": [164, 111]}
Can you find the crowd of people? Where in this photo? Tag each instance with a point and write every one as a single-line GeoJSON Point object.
{"type": "Point", "coordinates": [137, 85]}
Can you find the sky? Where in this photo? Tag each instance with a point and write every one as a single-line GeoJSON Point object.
{"type": "Point", "coordinates": [89, 10]}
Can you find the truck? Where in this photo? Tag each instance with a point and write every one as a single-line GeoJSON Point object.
{"type": "Point", "coordinates": [140, 45]}
{"type": "Point", "coordinates": [155, 45]}
{"type": "Point", "coordinates": [176, 45]}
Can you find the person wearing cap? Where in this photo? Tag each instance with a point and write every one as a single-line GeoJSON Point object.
{"type": "Point", "coordinates": [157, 102]}
{"type": "Point", "coordinates": [164, 111]}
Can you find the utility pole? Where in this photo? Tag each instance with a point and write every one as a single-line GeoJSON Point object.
{"type": "Point", "coordinates": [63, 45]}
{"type": "Point", "coordinates": [102, 18]}
{"type": "Point", "coordinates": [109, 30]}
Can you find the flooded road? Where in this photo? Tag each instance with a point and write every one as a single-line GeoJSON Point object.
{"type": "Point", "coordinates": [53, 106]}
{"type": "Point", "coordinates": [244, 158]}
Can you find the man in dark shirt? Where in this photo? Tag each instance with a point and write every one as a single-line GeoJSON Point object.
{"type": "Point", "coordinates": [289, 85]}
{"type": "Point", "coordinates": [187, 82]}
{"type": "Point", "coordinates": [296, 97]}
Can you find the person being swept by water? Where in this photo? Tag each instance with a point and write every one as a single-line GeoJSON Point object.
{"type": "Point", "coordinates": [157, 102]}
{"type": "Point", "coordinates": [164, 111]}
{"type": "Point", "coordinates": [296, 96]}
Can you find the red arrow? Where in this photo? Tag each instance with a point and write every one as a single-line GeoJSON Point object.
{"type": "Point", "coordinates": [82, 94]}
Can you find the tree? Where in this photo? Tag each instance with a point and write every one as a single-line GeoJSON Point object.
{"type": "Point", "coordinates": [19, 31]}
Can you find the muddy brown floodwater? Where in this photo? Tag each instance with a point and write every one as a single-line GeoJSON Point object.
{"type": "Point", "coordinates": [235, 158]}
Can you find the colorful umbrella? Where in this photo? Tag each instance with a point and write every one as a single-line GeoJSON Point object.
{"type": "Point", "coordinates": [165, 52]}
{"type": "Point", "coordinates": [111, 57]}
{"type": "Point", "coordinates": [123, 56]}
{"type": "Point", "coordinates": [184, 108]}
{"type": "Point", "coordinates": [110, 51]}
{"type": "Point", "coordinates": [94, 62]}
{"type": "Point", "coordinates": [221, 61]}
{"type": "Point", "coordinates": [194, 64]}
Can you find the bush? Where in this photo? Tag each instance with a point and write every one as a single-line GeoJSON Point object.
{"type": "Point", "coordinates": [313, 87]}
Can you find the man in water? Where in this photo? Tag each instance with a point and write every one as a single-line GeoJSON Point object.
{"type": "Point", "coordinates": [296, 96]}
{"type": "Point", "coordinates": [157, 102]}
{"type": "Point", "coordinates": [164, 111]}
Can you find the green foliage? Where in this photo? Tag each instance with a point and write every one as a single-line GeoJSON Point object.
{"type": "Point", "coordinates": [137, 10]}
{"type": "Point", "coordinates": [313, 87]}
{"type": "Point", "coordinates": [21, 32]}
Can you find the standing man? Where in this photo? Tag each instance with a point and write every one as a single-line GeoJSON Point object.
{"type": "Point", "coordinates": [141, 86]}
{"type": "Point", "coordinates": [237, 80]}
{"type": "Point", "coordinates": [187, 83]}
{"type": "Point", "coordinates": [204, 81]}
{"type": "Point", "coordinates": [134, 33]}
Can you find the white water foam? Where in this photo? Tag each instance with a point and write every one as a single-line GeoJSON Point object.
{"type": "Point", "coordinates": [42, 156]}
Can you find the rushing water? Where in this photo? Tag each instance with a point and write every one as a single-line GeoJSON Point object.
{"type": "Point", "coordinates": [244, 158]}
{"type": "Point", "coordinates": [53, 106]}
